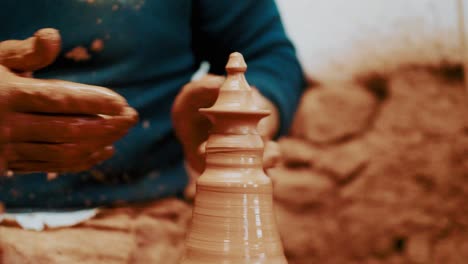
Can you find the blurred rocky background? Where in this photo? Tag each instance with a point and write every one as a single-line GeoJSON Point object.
{"type": "Point", "coordinates": [376, 165]}
{"type": "Point", "coordinates": [376, 171]}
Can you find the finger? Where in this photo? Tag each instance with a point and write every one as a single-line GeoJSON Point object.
{"type": "Point", "coordinates": [200, 93]}
{"type": "Point", "coordinates": [211, 81]}
{"type": "Point", "coordinates": [44, 152]}
{"type": "Point", "coordinates": [61, 167]}
{"type": "Point", "coordinates": [69, 129]}
{"type": "Point", "coordinates": [101, 155]}
{"type": "Point", "coordinates": [205, 90]}
{"type": "Point", "coordinates": [62, 97]}
{"type": "Point", "coordinates": [49, 152]}
{"type": "Point", "coordinates": [25, 74]}
{"type": "Point", "coordinates": [33, 53]}
{"type": "Point", "coordinates": [272, 155]}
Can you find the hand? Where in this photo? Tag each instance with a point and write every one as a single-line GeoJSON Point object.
{"type": "Point", "coordinates": [192, 128]}
{"type": "Point", "coordinates": [31, 54]}
{"type": "Point", "coordinates": [53, 125]}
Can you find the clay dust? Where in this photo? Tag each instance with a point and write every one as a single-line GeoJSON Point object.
{"type": "Point", "coordinates": [79, 53]}
{"type": "Point", "coordinates": [97, 45]}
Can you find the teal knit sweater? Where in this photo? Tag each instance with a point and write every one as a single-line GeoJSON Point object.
{"type": "Point", "coordinates": [150, 50]}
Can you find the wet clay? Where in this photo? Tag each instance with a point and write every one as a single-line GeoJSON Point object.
{"type": "Point", "coordinates": [97, 45]}
{"type": "Point", "coordinates": [233, 219]}
{"type": "Point", "coordinates": [79, 53]}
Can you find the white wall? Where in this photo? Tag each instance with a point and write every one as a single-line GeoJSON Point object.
{"type": "Point", "coordinates": [338, 38]}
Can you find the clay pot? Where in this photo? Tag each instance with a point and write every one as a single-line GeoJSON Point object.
{"type": "Point", "coordinates": [233, 219]}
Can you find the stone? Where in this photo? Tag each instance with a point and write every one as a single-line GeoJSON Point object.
{"type": "Point", "coordinates": [297, 152]}
{"type": "Point", "coordinates": [339, 162]}
{"type": "Point", "coordinates": [419, 249]}
{"type": "Point", "coordinates": [333, 114]}
{"type": "Point", "coordinates": [343, 162]}
{"type": "Point", "coordinates": [300, 188]}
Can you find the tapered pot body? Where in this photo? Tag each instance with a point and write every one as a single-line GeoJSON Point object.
{"type": "Point", "coordinates": [233, 219]}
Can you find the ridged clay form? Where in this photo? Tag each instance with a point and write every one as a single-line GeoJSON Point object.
{"type": "Point", "coordinates": [233, 219]}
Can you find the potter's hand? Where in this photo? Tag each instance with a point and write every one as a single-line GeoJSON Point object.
{"type": "Point", "coordinates": [192, 128]}
{"type": "Point", "coordinates": [52, 125]}
{"type": "Point", "coordinates": [34, 53]}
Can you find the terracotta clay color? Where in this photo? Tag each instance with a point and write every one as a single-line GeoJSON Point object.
{"type": "Point", "coordinates": [33, 53]}
{"type": "Point", "coordinates": [53, 125]}
{"type": "Point", "coordinates": [79, 53]}
{"type": "Point", "coordinates": [97, 45]}
{"type": "Point", "coordinates": [233, 220]}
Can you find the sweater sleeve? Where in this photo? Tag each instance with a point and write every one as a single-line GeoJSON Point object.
{"type": "Point", "coordinates": [254, 28]}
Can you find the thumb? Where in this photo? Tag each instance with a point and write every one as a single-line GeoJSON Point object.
{"type": "Point", "coordinates": [33, 53]}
